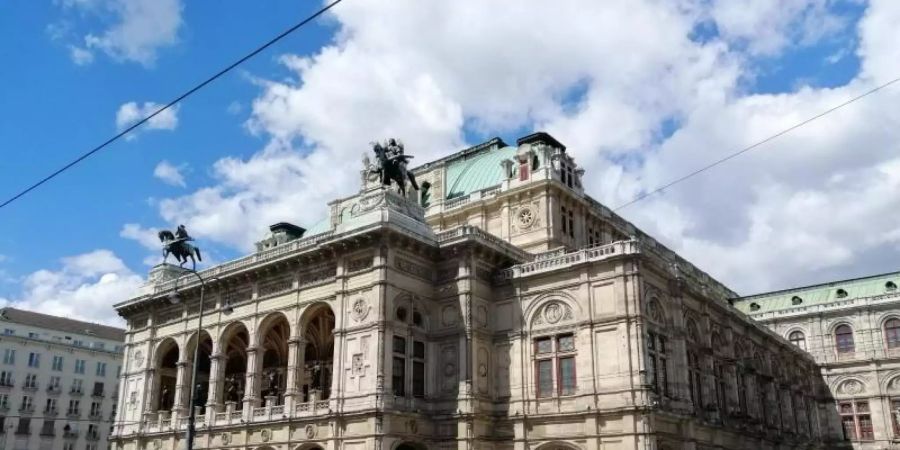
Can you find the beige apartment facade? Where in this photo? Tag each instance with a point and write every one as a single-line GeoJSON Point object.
{"type": "Point", "coordinates": [58, 381]}
{"type": "Point", "coordinates": [497, 307]}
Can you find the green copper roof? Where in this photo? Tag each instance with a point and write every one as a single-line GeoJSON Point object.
{"type": "Point", "coordinates": [467, 175]}
{"type": "Point", "coordinates": [820, 294]}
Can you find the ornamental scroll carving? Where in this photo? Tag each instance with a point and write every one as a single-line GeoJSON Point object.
{"type": "Point", "coordinates": [552, 313]}
{"type": "Point", "coordinates": [360, 310]}
{"type": "Point", "coordinates": [851, 387]}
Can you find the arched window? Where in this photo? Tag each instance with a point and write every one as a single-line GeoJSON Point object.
{"type": "Point", "coordinates": [843, 339]}
{"type": "Point", "coordinates": [892, 332]}
{"type": "Point", "coordinates": [797, 338]}
{"type": "Point", "coordinates": [890, 286]}
{"type": "Point", "coordinates": [841, 293]}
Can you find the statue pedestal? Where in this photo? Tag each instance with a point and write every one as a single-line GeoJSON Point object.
{"type": "Point", "coordinates": [379, 205]}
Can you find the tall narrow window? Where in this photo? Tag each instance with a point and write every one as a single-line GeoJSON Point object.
{"type": "Point", "coordinates": [34, 359]}
{"type": "Point", "coordinates": [9, 356]}
{"type": "Point", "coordinates": [555, 365]}
{"type": "Point", "coordinates": [79, 366]}
{"type": "Point", "coordinates": [843, 338]}
{"type": "Point", "coordinates": [398, 372]}
{"type": "Point", "coordinates": [695, 380]}
{"type": "Point", "coordinates": [657, 369]}
{"type": "Point", "coordinates": [892, 333]}
{"type": "Point", "coordinates": [895, 415]}
{"type": "Point", "coordinates": [418, 369]}
{"type": "Point", "coordinates": [57, 363]}
{"type": "Point", "coordinates": [565, 221]}
{"type": "Point", "coordinates": [719, 374]}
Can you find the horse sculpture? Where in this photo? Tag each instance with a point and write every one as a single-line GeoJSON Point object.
{"type": "Point", "coordinates": [391, 165]}
{"type": "Point", "coordinates": [177, 244]}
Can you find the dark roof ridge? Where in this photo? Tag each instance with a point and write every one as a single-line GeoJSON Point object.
{"type": "Point", "coordinates": [813, 286]}
{"type": "Point", "coordinates": [468, 151]}
{"type": "Point", "coordinates": [62, 324]}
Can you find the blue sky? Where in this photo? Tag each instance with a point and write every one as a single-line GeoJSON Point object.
{"type": "Point", "coordinates": [636, 109]}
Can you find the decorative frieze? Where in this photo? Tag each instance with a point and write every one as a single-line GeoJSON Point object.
{"type": "Point", "coordinates": [416, 270]}
{"type": "Point", "coordinates": [275, 286]}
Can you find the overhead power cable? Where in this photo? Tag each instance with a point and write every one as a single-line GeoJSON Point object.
{"type": "Point", "coordinates": [172, 103]}
{"type": "Point", "coordinates": [756, 145]}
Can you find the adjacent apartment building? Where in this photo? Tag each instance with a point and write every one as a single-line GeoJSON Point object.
{"type": "Point", "coordinates": [58, 381]}
{"type": "Point", "coordinates": [497, 307]}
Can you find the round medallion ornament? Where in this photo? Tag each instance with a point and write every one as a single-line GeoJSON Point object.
{"type": "Point", "coordinates": [265, 435]}
{"type": "Point", "coordinates": [482, 370]}
{"type": "Point", "coordinates": [449, 369]}
{"type": "Point", "coordinates": [852, 387]}
{"type": "Point", "coordinates": [310, 431]}
{"type": "Point", "coordinates": [553, 312]}
{"type": "Point", "coordinates": [360, 310]}
{"type": "Point", "coordinates": [525, 216]}
{"type": "Point", "coordinates": [139, 358]}
{"type": "Point", "coordinates": [226, 438]}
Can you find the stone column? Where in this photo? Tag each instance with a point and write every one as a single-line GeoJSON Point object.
{"type": "Point", "coordinates": [181, 387]}
{"type": "Point", "coordinates": [214, 394]}
{"type": "Point", "coordinates": [251, 398]}
{"type": "Point", "coordinates": [291, 383]}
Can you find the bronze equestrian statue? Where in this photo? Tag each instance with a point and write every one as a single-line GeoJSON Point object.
{"type": "Point", "coordinates": [391, 165]}
{"type": "Point", "coordinates": [177, 244]}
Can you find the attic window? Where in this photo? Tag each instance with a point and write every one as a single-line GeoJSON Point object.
{"type": "Point", "coordinates": [754, 306]}
{"type": "Point", "coordinates": [841, 293]}
{"type": "Point", "coordinates": [795, 300]}
{"type": "Point", "coordinates": [890, 286]}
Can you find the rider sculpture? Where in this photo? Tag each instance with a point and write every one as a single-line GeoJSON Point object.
{"type": "Point", "coordinates": [177, 244]}
{"type": "Point", "coordinates": [391, 165]}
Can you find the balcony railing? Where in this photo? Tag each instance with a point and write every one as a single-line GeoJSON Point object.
{"type": "Point", "coordinates": [76, 392]}
{"type": "Point", "coordinates": [30, 386]}
{"type": "Point", "coordinates": [8, 383]}
{"type": "Point", "coordinates": [53, 389]}
{"type": "Point", "coordinates": [48, 432]}
{"type": "Point", "coordinates": [26, 409]}
{"type": "Point", "coordinates": [97, 394]}
{"type": "Point", "coordinates": [73, 413]}
{"type": "Point", "coordinates": [92, 436]}
{"type": "Point", "coordinates": [50, 411]}
{"type": "Point", "coordinates": [70, 434]}
{"type": "Point", "coordinates": [95, 416]}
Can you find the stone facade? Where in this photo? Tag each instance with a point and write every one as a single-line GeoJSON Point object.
{"type": "Point", "coordinates": [852, 329]}
{"type": "Point", "coordinates": [58, 382]}
{"type": "Point", "coordinates": [497, 308]}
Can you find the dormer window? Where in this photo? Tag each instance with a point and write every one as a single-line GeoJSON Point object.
{"type": "Point", "coordinates": [795, 300]}
{"type": "Point", "coordinates": [890, 286]}
{"type": "Point", "coordinates": [841, 293]}
{"type": "Point", "coordinates": [754, 306]}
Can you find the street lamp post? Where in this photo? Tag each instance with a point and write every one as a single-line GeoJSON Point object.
{"type": "Point", "coordinates": [192, 412]}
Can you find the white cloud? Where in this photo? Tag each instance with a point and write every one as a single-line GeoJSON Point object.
{"type": "Point", "coordinates": [84, 288]}
{"type": "Point", "coordinates": [169, 173]}
{"type": "Point", "coordinates": [768, 27]}
{"type": "Point", "coordinates": [80, 56]}
{"type": "Point", "coordinates": [139, 29]}
{"type": "Point", "coordinates": [234, 107]}
{"type": "Point", "coordinates": [132, 112]}
{"type": "Point", "coordinates": [812, 205]}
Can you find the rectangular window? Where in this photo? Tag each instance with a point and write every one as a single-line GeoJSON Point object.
{"type": "Point", "coordinates": [895, 411]}
{"type": "Point", "coordinates": [26, 403]}
{"type": "Point", "coordinates": [399, 345]}
{"type": "Point", "coordinates": [567, 375]}
{"type": "Point", "coordinates": [9, 331]}
{"type": "Point", "coordinates": [99, 345]}
{"type": "Point", "coordinates": [77, 386]}
{"type": "Point", "coordinates": [78, 343]}
{"type": "Point", "coordinates": [47, 429]}
{"type": "Point", "coordinates": [6, 378]}
{"type": "Point", "coordinates": [57, 363]}
{"type": "Point", "coordinates": [54, 383]}
{"type": "Point", "coordinates": [98, 389]}
{"type": "Point", "coordinates": [24, 426]}
{"type": "Point", "coordinates": [9, 356]}
{"type": "Point", "coordinates": [4, 401]}
{"type": "Point", "coordinates": [544, 345]}
{"type": "Point", "coordinates": [95, 408]}
{"type": "Point", "coordinates": [545, 378]}
{"type": "Point", "coordinates": [419, 379]}
{"type": "Point", "coordinates": [32, 335]}
{"type": "Point", "coordinates": [565, 223]}
{"type": "Point", "coordinates": [398, 374]}
{"type": "Point", "coordinates": [31, 380]}
{"type": "Point", "coordinates": [73, 407]}
{"type": "Point", "coordinates": [101, 369]}
{"type": "Point", "coordinates": [571, 223]}
{"type": "Point", "coordinates": [34, 359]}
{"type": "Point", "coordinates": [50, 407]}
{"type": "Point", "coordinates": [856, 421]}
{"type": "Point", "coordinates": [79, 366]}
{"type": "Point", "coordinates": [418, 349]}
